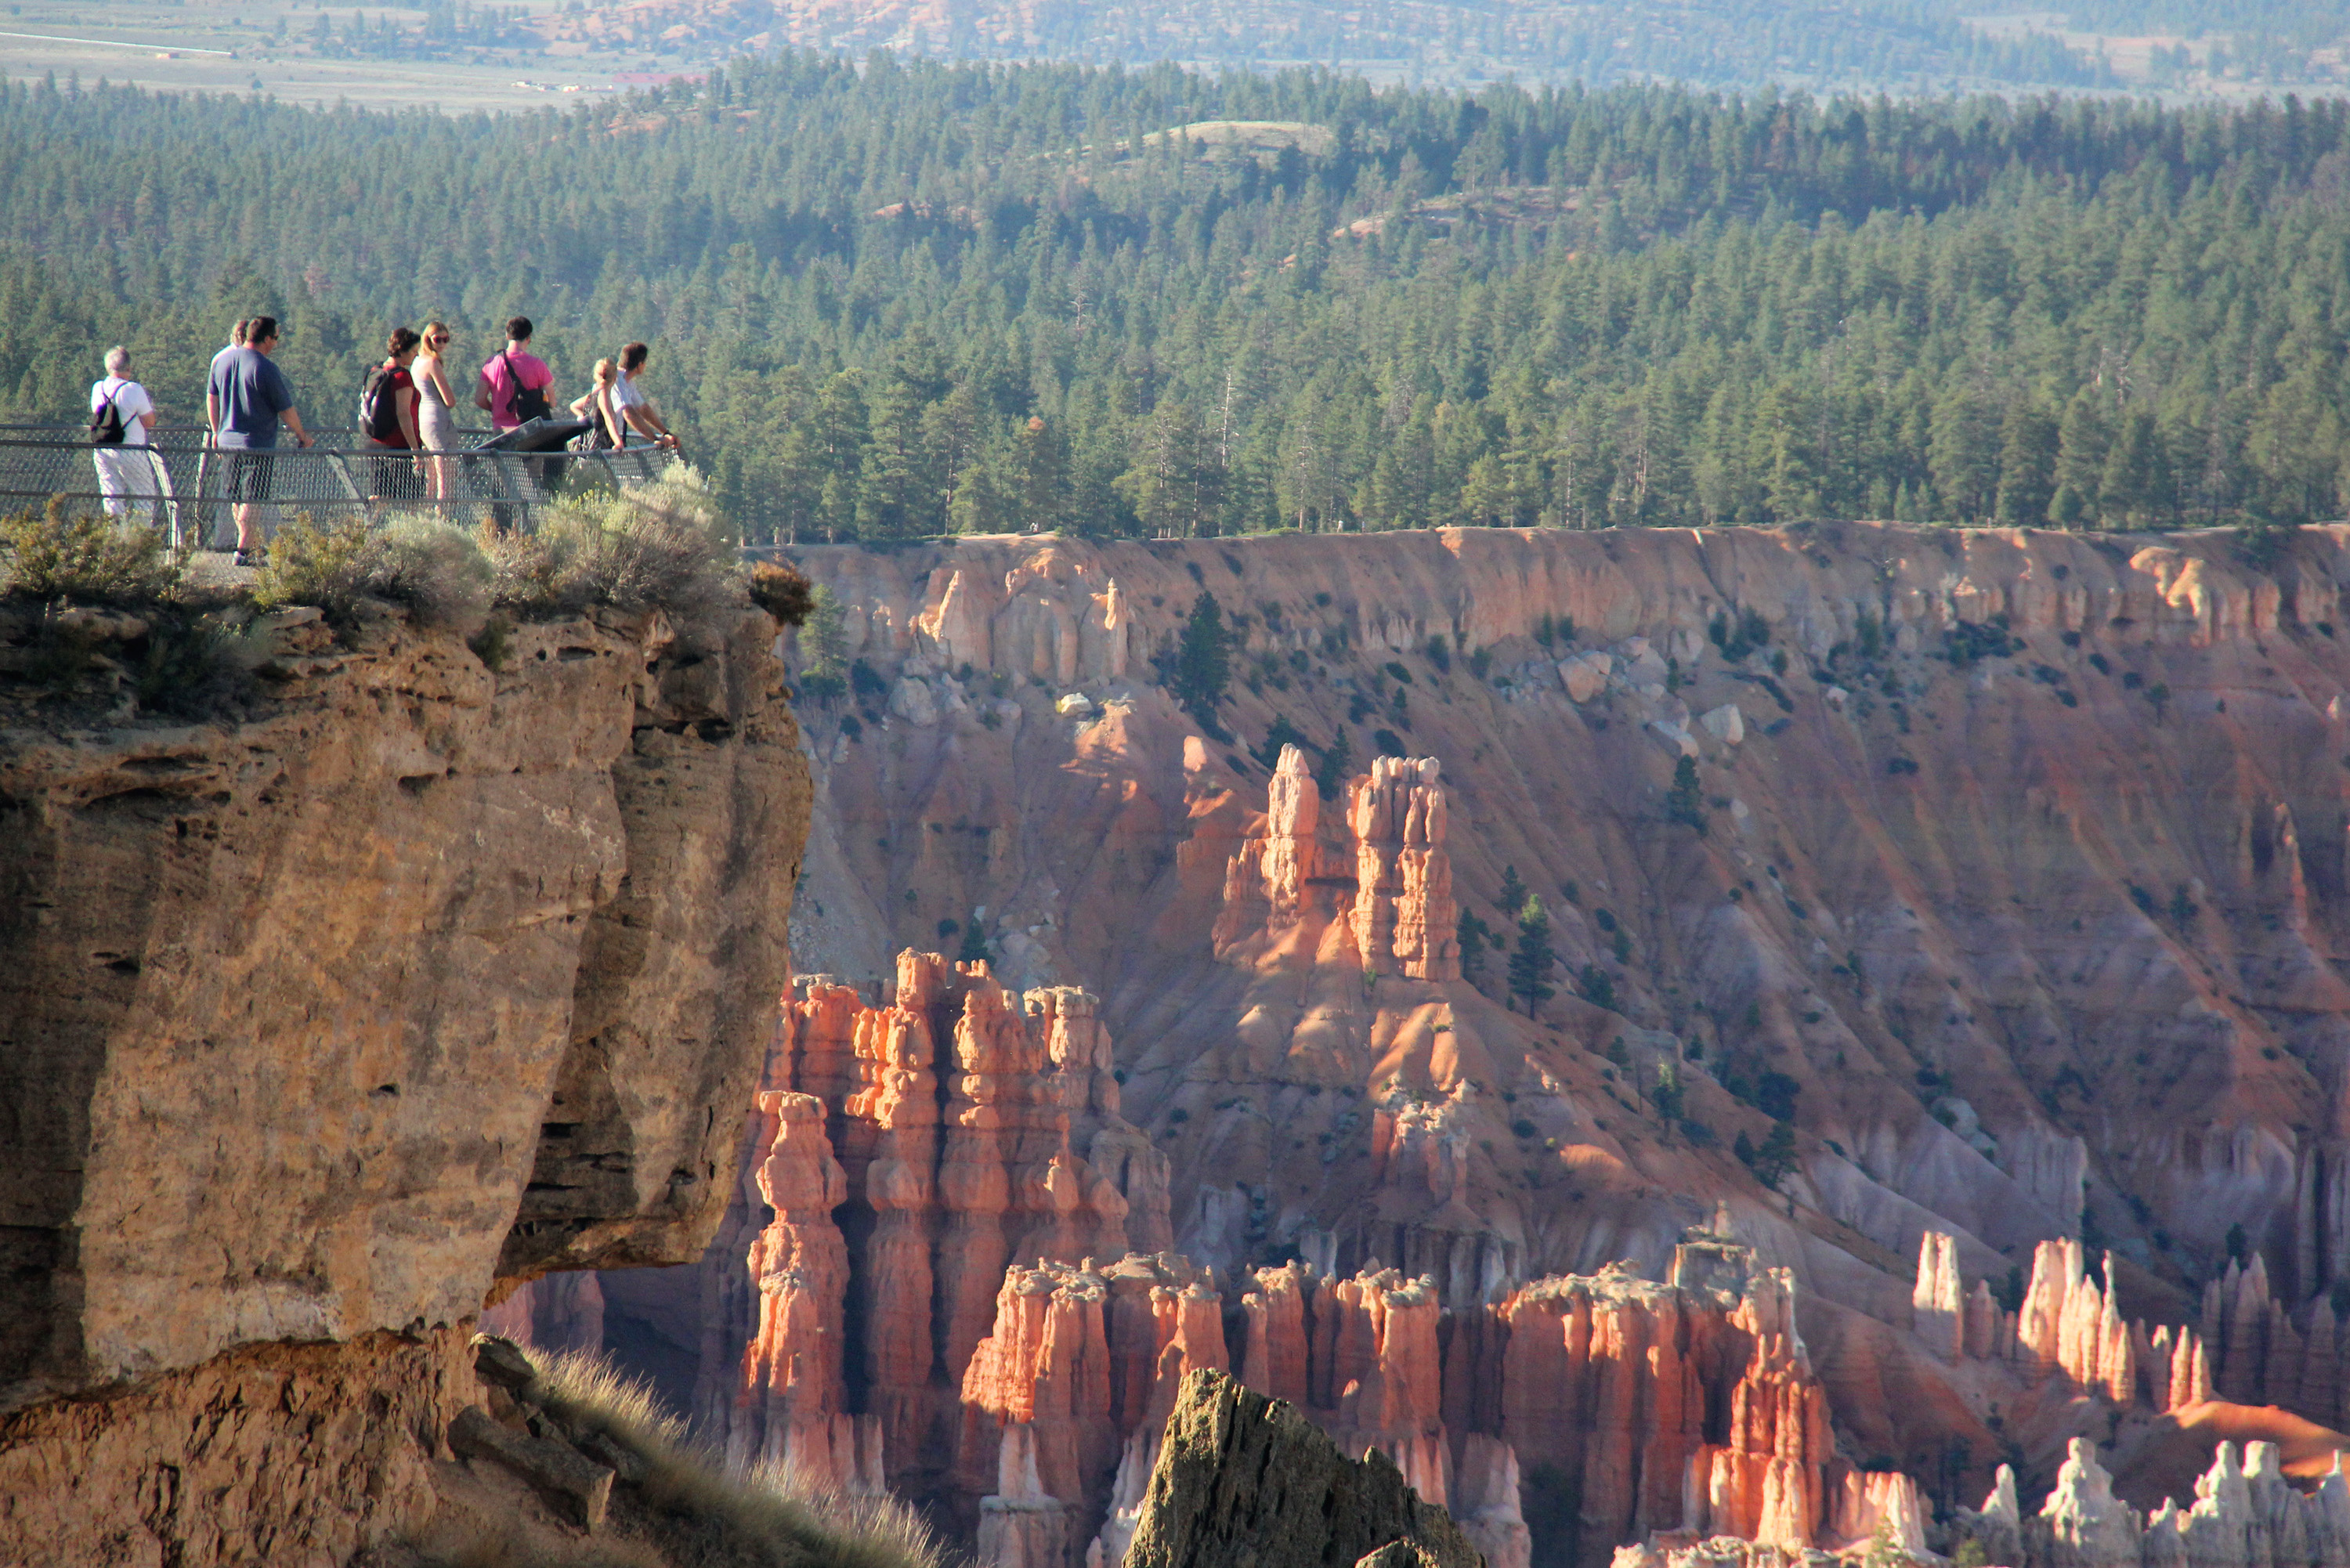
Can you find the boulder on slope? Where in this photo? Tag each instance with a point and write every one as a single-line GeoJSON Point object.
{"type": "Point", "coordinates": [1244, 1478]}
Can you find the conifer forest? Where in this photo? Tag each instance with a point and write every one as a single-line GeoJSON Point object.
{"type": "Point", "coordinates": [892, 299]}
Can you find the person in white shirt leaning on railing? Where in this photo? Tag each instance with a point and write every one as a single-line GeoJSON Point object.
{"type": "Point", "coordinates": [635, 406]}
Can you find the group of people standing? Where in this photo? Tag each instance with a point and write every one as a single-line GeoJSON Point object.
{"type": "Point", "coordinates": [407, 416]}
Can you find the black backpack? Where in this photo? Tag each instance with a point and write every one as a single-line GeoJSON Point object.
{"type": "Point", "coordinates": [379, 408]}
{"type": "Point", "coordinates": [529, 402]}
{"type": "Point", "coordinates": [106, 423]}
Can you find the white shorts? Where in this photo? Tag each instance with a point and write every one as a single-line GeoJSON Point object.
{"type": "Point", "coordinates": [125, 474]}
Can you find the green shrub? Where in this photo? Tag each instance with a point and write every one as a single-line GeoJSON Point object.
{"type": "Point", "coordinates": [434, 568]}
{"type": "Point", "coordinates": [653, 547]}
{"type": "Point", "coordinates": [55, 553]}
{"type": "Point", "coordinates": [495, 642]}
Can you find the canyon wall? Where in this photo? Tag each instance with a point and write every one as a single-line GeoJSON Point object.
{"type": "Point", "coordinates": [321, 1026]}
{"type": "Point", "coordinates": [2004, 868]}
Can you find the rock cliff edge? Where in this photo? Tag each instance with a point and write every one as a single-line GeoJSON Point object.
{"type": "Point", "coordinates": [319, 1030]}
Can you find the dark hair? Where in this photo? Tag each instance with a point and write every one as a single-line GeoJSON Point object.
{"type": "Point", "coordinates": [261, 329]}
{"type": "Point", "coordinates": [401, 340]}
{"type": "Point", "coordinates": [632, 355]}
{"type": "Point", "coordinates": [518, 329]}
{"type": "Point", "coordinates": [236, 334]}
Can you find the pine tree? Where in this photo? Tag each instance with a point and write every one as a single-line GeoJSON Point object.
{"type": "Point", "coordinates": [2130, 478]}
{"type": "Point", "coordinates": [1474, 937]}
{"type": "Point", "coordinates": [1668, 1095]}
{"type": "Point", "coordinates": [1685, 802]}
{"type": "Point", "coordinates": [2027, 464]}
{"type": "Point", "coordinates": [1964, 454]}
{"type": "Point", "coordinates": [1776, 1159]}
{"type": "Point", "coordinates": [1330, 772]}
{"type": "Point", "coordinates": [1203, 661]}
{"type": "Point", "coordinates": [822, 638]}
{"type": "Point", "coordinates": [1513, 892]}
{"type": "Point", "coordinates": [2080, 460]}
{"type": "Point", "coordinates": [1529, 965]}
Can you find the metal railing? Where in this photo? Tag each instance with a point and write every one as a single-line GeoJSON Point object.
{"type": "Point", "coordinates": [181, 484]}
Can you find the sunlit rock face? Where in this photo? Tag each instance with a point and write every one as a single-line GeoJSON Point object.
{"type": "Point", "coordinates": [328, 1027]}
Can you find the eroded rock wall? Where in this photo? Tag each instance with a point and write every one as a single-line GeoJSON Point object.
{"type": "Point", "coordinates": [2009, 879]}
{"type": "Point", "coordinates": [327, 1025]}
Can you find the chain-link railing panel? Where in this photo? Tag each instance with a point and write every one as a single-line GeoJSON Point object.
{"type": "Point", "coordinates": [194, 491]}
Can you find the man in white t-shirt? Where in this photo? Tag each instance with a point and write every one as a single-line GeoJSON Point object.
{"type": "Point", "coordinates": [126, 468]}
{"type": "Point", "coordinates": [635, 406]}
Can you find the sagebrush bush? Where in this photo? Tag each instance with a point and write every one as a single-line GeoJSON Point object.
{"type": "Point", "coordinates": [58, 552]}
{"type": "Point", "coordinates": [434, 568]}
{"type": "Point", "coordinates": [782, 592]}
{"type": "Point", "coordinates": [662, 545]}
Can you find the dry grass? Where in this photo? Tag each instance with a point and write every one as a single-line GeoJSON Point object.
{"type": "Point", "coordinates": [761, 1518]}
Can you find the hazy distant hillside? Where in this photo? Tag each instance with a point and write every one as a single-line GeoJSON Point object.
{"type": "Point", "coordinates": [1896, 45]}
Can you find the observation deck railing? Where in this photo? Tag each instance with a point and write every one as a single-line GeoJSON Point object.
{"type": "Point", "coordinates": [340, 476]}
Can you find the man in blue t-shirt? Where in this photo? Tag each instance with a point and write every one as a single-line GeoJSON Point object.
{"type": "Point", "coordinates": [244, 398]}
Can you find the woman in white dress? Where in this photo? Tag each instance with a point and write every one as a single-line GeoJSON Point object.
{"type": "Point", "coordinates": [436, 418]}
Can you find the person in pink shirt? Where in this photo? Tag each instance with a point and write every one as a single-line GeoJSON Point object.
{"type": "Point", "coordinates": [515, 386]}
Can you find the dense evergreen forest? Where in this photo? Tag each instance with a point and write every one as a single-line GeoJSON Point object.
{"type": "Point", "coordinates": [896, 299]}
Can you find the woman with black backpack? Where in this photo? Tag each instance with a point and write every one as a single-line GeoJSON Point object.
{"type": "Point", "coordinates": [388, 418]}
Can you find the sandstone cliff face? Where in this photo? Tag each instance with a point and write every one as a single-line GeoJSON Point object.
{"type": "Point", "coordinates": [326, 1027]}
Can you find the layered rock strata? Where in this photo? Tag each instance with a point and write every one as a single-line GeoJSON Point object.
{"type": "Point", "coordinates": [1385, 877]}
{"type": "Point", "coordinates": [326, 1025]}
{"type": "Point", "coordinates": [1836, 690]}
{"type": "Point", "coordinates": [2069, 1324]}
{"type": "Point", "coordinates": [2003, 869]}
{"type": "Point", "coordinates": [896, 1190]}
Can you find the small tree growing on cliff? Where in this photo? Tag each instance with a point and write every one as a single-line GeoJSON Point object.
{"type": "Point", "coordinates": [1204, 663]}
{"type": "Point", "coordinates": [1668, 1095]}
{"type": "Point", "coordinates": [1513, 892]}
{"type": "Point", "coordinates": [1685, 802]}
{"type": "Point", "coordinates": [823, 644]}
{"type": "Point", "coordinates": [1529, 965]}
{"type": "Point", "coordinates": [1775, 1160]}
{"type": "Point", "coordinates": [975, 946]}
{"type": "Point", "coordinates": [1474, 936]}
{"type": "Point", "coordinates": [1330, 774]}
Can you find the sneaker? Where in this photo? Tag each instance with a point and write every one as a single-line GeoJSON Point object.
{"type": "Point", "coordinates": [254, 558]}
